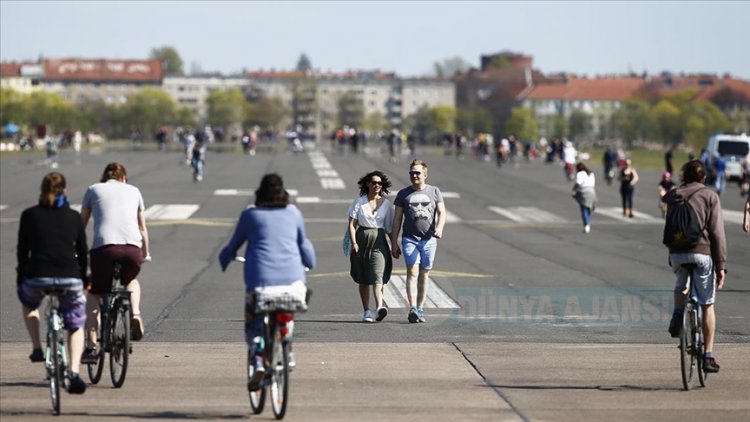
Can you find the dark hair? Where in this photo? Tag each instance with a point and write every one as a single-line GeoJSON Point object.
{"type": "Point", "coordinates": [384, 189]}
{"type": "Point", "coordinates": [693, 171]}
{"type": "Point", "coordinates": [53, 185]}
{"type": "Point", "coordinates": [271, 192]}
{"type": "Point", "coordinates": [582, 167]}
{"type": "Point", "coordinates": [114, 171]}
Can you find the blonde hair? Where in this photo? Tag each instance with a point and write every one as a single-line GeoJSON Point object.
{"type": "Point", "coordinates": [53, 185]}
{"type": "Point", "coordinates": [114, 171]}
{"type": "Point", "coordinates": [418, 163]}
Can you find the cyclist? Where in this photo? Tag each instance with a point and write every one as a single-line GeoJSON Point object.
{"type": "Point", "coordinates": [52, 252]}
{"type": "Point", "coordinates": [276, 255]}
{"type": "Point", "coordinates": [120, 234]}
{"type": "Point", "coordinates": [709, 256]}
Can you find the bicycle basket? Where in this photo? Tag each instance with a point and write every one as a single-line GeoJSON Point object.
{"type": "Point", "coordinates": [278, 298]}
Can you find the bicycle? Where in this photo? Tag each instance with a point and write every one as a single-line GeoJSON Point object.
{"type": "Point", "coordinates": [278, 310]}
{"type": "Point", "coordinates": [691, 338]}
{"type": "Point", "coordinates": [113, 335]}
{"type": "Point", "coordinates": [56, 355]}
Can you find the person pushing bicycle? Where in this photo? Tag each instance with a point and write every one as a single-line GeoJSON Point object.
{"type": "Point", "coordinates": [277, 253]}
{"type": "Point", "coordinates": [709, 256]}
{"type": "Point", "coordinates": [51, 252]}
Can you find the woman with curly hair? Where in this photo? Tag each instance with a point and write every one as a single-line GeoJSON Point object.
{"type": "Point", "coordinates": [370, 218]}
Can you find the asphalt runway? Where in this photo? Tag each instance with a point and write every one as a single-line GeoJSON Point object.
{"type": "Point", "coordinates": [514, 274]}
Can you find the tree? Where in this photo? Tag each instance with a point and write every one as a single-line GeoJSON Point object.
{"type": "Point", "coordinates": [701, 120]}
{"type": "Point", "coordinates": [227, 108]}
{"type": "Point", "coordinates": [499, 62]}
{"type": "Point", "coordinates": [351, 110]}
{"type": "Point", "coordinates": [170, 59]}
{"type": "Point", "coordinates": [580, 124]}
{"type": "Point", "coordinates": [49, 109]}
{"type": "Point", "coordinates": [667, 122]}
{"type": "Point", "coordinates": [448, 68]}
{"type": "Point", "coordinates": [267, 113]}
{"type": "Point", "coordinates": [12, 107]}
{"type": "Point", "coordinates": [303, 63]}
{"type": "Point", "coordinates": [148, 110]}
{"type": "Point", "coordinates": [444, 121]}
{"type": "Point", "coordinates": [522, 123]}
{"type": "Point", "coordinates": [375, 122]}
{"type": "Point", "coordinates": [632, 120]}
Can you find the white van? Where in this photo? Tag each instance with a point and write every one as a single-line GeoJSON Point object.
{"type": "Point", "coordinates": [733, 148]}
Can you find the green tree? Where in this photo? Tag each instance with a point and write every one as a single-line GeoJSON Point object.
{"type": "Point", "coordinates": [303, 63]}
{"type": "Point", "coordinates": [580, 124]}
{"type": "Point", "coordinates": [170, 59]}
{"type": "Point", "coordinates": [560, 127]}
{"type": "Point", "coordinates": [499, 62]}
{"type": "Point", "coordinates": [148, 109]}
{"type": "Point", "coordinates": [49, 109]}
{"type": "Point", "coordinates": [267, 113]}
{"type": "Point", "coordinates": [375, 122]}
{"type": "Point", "coordinates": [667, 122]}
{"type": "Point", "coordinates": [523, 123]}
{"type": "Point", "coordinates": [701, 120]}
{"type": "Point", "coordinates": [448, 68]}
{"type": "Point", "coordinates": [227, 108]}
{"type": "Point", "coordinates": [12, 107]}
{"type": "Point", "coordinates": [351, 110]}
{"type": "Point", "coordinates": [482, 121]}
{"type": "Point", "coordinates": [419, 124]}
{"type": "Point", "coordinates": [444, 121]}
{"type": "Point", "coordinates": [632, 120]}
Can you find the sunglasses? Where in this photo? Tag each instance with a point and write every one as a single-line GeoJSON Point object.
{"type": "Point", "coordinates": [377, 183]}
{"type": "Point", "coordinates": [415, 173]}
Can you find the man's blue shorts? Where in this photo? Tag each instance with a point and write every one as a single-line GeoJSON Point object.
{"type": "Point", "coordinates": [420, 252]}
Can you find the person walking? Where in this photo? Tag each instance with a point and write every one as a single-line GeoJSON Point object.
{"type": "Point", "coordinates": [421, 209]}
{"type": "Point", "coordinates": [709, 255]}
{"type": "Point", "coordinates": [370, 218]}
{"type": "Point", "coordinates": [665, 185]}
{"type": "Point", "coordinates": [52, 252]}
{"type": "Point", "coordinates": [628, 180]}
{"type": "Point", "coordinates": [120, 235]}
{"type": "Point", "coordinates": [276, 255]}
{"type": "Point", "coordinates": [746, 217]}
{"type": "Point", "coordinates": [585, 194]}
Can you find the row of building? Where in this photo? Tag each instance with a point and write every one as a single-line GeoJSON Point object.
{"type": "Point", "coordinates": [314, 95]}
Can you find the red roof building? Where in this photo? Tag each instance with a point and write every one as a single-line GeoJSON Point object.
{"type": "Point", "coordinates": [101, 70]}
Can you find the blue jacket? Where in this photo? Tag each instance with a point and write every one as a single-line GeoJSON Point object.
{"type": "Point", "coordinates": [277, 248]}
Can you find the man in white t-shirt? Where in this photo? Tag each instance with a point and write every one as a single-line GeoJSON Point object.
{"type": "Point", "coordinates": [120, 235]}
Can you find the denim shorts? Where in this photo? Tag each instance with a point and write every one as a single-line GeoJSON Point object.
{"type": "Point", "coordinates": [420, 252]}
{"type": "Point", "coordinates": [704, 276]}
{"type": "Point", "coordinates": [72, 302]}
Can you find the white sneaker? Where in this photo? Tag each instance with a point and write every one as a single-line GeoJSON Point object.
{"type": "Point", "coordinates": [367, 316]}
{"type": "Point", "coordinates": [587, 228]}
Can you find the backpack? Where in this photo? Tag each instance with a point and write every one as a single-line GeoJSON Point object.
{"type": "Point", "coordinates": [682, 229]}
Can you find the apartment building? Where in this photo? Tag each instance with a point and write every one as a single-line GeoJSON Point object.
{"type": "Point", "coordinates": [191, 92]}
{"type": "Point", "coordinates": [22, 77]}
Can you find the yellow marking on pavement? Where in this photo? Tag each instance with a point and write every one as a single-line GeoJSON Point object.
{"type": "Point", "coordinates": [193, 222]}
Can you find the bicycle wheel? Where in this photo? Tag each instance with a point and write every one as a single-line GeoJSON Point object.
{"type": "Point", "coordinates": [54, 371]}
{"type": "Point", "coordinates": [96, 369]}
{"type": "Point", "coordinates": [120, 342]}
{"type": "Point", "coordinates": [280, 378]}
{"type": "Point", "coordinates": [257, 398]}
{"type": "Point", "coordinates": [687, 348]}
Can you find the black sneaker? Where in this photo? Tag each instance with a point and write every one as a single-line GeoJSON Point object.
{"type": "Point", "coordinates": [90, 356]}
{"type": "Point", "coordinates": [75, 384]}
{"type": "Point", "coordinates": [36, 355]}
{"type": "Point", "coordinates": [675, 324]}
{"type": "Point", "coordinates": [710, 365]}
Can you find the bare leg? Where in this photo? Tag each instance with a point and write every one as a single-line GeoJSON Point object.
{"type": "Point", "coordinates": [92, 318]}
{"type": "Point", "coordinates": [364, 295]}
{"type": "Point", "coordinates": [75, 344]}
{"type": "Point", "coordinates": [709, 326]}
{"type": "Point", "coordinates": [411, 276]}
{"type": "Point", "coordinates": [422, 286]}
{"type": "Point", "coordinates": [31, 318]}
{"type": "Point", "coordinates": [134, 287]}
{"type": "Point", "coordinates": [377, 291]}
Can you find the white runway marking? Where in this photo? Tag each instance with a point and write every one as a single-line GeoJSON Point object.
{"type": "Point", "coordinates": [394, 295]}
{"type": "Point", "coordinates": [245, 192]}
{"type": "Point", "coordinates": [453, 195]}
{"type": "Point", "coordinates": [732, 216]}
{"type": "Point", "coordinates": [527, 214]}
{"type": "Point", "coordinates": [3, 207]}
{"type": "Point", "coordinates": [616, 213]}
{"type": "Point", "coordinates": [451, 218]}
{"type": "Point", "coordinates": [327, 173]}
{"type": "Point", "coordinates": [170, 212]}
{"type": "Point", "coordinates": [332, 183]}
{"type": "Point", "coordinates": [319, 200]}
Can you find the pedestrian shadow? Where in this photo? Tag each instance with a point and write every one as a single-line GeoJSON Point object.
{"type": "Point", "coordinates": [624, 387]}
{"type": "Point", "coordinates": [40, 384]}
{"type": "Point", "coordinates": [166, 415]}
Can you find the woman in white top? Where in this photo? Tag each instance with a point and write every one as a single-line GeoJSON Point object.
{"type": "Point", "coordinates": [370, 219]}
{"type": "Point", "coordinates": [584, 194]}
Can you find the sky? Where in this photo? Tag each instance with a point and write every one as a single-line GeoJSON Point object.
{"type": "Point", "coordinates": [587, 38]}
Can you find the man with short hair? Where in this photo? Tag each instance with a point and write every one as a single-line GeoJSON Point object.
{"type": "Point", "coordinates": [709, 256]}
{"type": "Point", "coordinates": [421, 209]}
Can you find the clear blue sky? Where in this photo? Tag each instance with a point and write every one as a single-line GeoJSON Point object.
{"type": "Point", "coordinates": [589, 38]}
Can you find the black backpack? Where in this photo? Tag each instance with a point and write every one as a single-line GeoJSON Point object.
{"type": "Point", "coordinates": [682, 229]}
